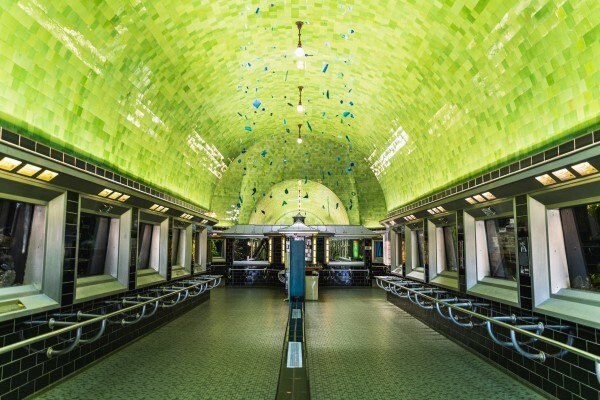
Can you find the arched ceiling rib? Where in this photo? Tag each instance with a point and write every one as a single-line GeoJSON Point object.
{"type": "Point", "coordinates": [425, 92]}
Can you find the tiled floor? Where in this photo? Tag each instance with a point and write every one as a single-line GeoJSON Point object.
{"type": "Point", "coordinates": [359, 347]}
{"type": "Point", "coordinates": [227, 348]}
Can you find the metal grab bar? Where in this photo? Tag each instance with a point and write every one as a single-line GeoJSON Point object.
{"type": "Point", "coordinates": [80, 315]}
{"type": "Point", "coordinates": [50, 352]}
{"type": "Point", "coordinates": [468, 304]}
{"type": "Point", "coordinates": [442, 301]}
{"type": "Point", "coordinates": [52, 322]}
{"type": "Point", "coordinates": [145, 314]}
{"type": "Point", "coordinates": [541, 356]}
{"type": "Point", "coordinates": [79, 325]}
{"type": "Point", "coordinates": [513, 319]}
{"type": "Point", "coordinates": [565, 347]}
{"type": "Point", "coordinates": [172, 303]}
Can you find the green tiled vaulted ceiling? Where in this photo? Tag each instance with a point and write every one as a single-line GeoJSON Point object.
{"type": "Point", "coordinates": [402, 97]}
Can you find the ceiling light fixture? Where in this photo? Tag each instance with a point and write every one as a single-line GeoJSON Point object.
{"type": "Point", "coordinates": [300, 107]}
{"type": "Point", "coordinates": [299, 50]}
{"type": "Point", "coordinates": [299, 135]}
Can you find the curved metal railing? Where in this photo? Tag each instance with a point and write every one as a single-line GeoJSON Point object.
{"type": "Point", "coordinates": [132, 310]}
{"type": "Point", "coordinates": [431, 300]}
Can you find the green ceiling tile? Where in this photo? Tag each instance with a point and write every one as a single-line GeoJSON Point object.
{"type": "Point", "coordinates": [164, 91]}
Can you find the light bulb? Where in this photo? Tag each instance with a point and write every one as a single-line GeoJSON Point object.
{"type": "Point", "coordinates": [300, 108]}
{"type": "Point", "coordinates": [300, 64]}
{"type": "Point", "coordinates": [299, 139]}
{"type": "Point", "coordinates": [299, 51]}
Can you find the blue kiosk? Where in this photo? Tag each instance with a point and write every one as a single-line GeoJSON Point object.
{"type": "Point", "coordinates": [297, 232]}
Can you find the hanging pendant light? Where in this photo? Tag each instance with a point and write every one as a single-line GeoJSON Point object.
{"type": "Point", "coordinates": [299, 50]}
{"type": "Point", "coordinates": [299, 134]}
{"type": "Point", "coordinates": [300, 107]}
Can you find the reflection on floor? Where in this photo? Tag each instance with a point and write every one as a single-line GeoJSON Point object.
{"type": "Point", "coordinates": [362, 347]}
{"type": "Point", "coordinates": [359, 347]}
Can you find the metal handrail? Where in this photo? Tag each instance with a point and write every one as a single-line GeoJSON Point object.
{"type": "Point", "coordinates": [79, 325]}
{"type": "Point", "coordinates": [513, 328]}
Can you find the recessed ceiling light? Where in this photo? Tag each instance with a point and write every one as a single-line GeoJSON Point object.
{"type": "Point", "coordinates": [164, 210]}
{"type": "Point", "coordinates": [563, 174]}
{"type": "Point", "coordinates": [123, 198]}
{"type": "Point", "coordinates": [154, 207]}
{"type": "Point", "coordinates": [584, 168]}
{"type": "Point", "coordinates": [479, 198]}
{"type": "Point", "coordinates": [430, 211]}
{"type": "Point", "coordinates": [471, 200]}
{"type": "Point", "coordinates": [545, 180]}
{"type": "Point", "coordinates": [488, 196]}
{"type": "Point", "coordinates": [204, 221]}
{"type": "Point", "coordinates": [105, 193]}
{"type": "Point", "coordinates": [8, 164]}
{"type": "Point", "coordinates": [442, 209]}
{"type": "Point", "coordinates": [29, 170]}
{"type": "Point", "coordinates": [114, 195]}
{"type": "Point", "coordinates": [47, 175]}
{"type": "Point", "coordinates": [159, 208]}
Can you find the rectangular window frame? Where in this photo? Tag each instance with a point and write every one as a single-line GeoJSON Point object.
{"type": "Point", "coordinates": [116, 281]}
{"type": "Point", "coordinates": [549, 268]}
{"type": "Point", "coordinates": [221, 258]}
{"type": "Point", "coordinates": [50, 214]}
{"type": "Point", "coordinates": [181, 257]}
{"type": "Point", "coordinates": [355, 263]}
{"type": "Point", "coordinates": [476, 256]}
{"type": "Point", "coordinates": [415, 263]}
{"type": "Point", "coordinates": [438, 274]}
{"type": "Point", "coordinates": [154, 273]}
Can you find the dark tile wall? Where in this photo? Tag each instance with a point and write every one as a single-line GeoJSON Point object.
{"type": "Point", "coordinates": [254, 277]}
{"type": "Point", "coordinates": [570, 377]}
{"type": "Point", "coordinates": [24, 371]}
{"type": "Point", "coordinates": [70, 254]}
{"type": "Point", "coordinates": [135, 218]}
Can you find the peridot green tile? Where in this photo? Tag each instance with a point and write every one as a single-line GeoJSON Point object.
{"type": "Point", "coordinates": [416, 95]}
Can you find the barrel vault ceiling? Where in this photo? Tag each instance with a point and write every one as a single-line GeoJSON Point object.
{"type": "Point", "coordinates": [199, 98]}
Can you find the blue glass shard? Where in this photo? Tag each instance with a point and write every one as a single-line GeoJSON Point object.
{"type": "Point", "coordinates": [309, 127]}
{"type": "Point", "coordinates": [346, 113]}
{"type": "Point", "coordinates": [286, 191]}
{"type": "Point", "coordinates": [256, 103]}
{"type": "Point", "coordinates": [327, 93]}
{"type": "Point", "coordinates": [263, 153]}
{"type": "Point", "coordinates": [258, 9]}
{"type": "Point", "coordinates": [284, 203]}
{"type": "Point", "coordinates": [325, 67]}
{"type": "Point", "coordinates": [248, 128]}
